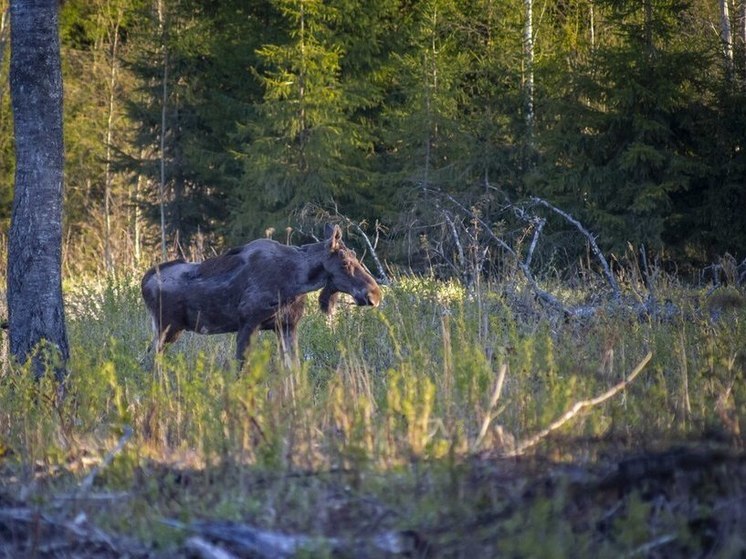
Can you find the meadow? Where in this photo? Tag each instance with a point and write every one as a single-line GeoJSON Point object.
{"type": "Point", "coordinates": [429, 427]}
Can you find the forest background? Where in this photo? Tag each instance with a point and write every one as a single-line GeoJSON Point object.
{"type": "Point", "coordinates": [206, 123]}
{"type": "Point", "coordinates": [457, 419]}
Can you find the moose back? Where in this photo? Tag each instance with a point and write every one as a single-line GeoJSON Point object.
{"type": "Point", "coordinates": [261, 285]}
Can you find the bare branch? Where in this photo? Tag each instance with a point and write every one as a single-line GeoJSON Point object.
{"type": "Point", "coordinates": [646, 548]}
{"type": "Point", "coordinates": [456, 240]}
{"type": "Point", "coordinates": [323, 214]}
{"type": "Point", "coordinates": [88, 481]}
{"type": "Point", "coordinates": [522, 446]}
{"type": "Point", "coordinates": [591, 239]}
{"type": "Point", "coordinates": [489, 416]}
{"type": "Point", "coordinates": [271, 544]}
{"type": "Point", "coordinates": [539, 225]}
{"type": "Point", "coordinates": [205, 550]}
{"type": "Point", "coordinates": [540, 293]}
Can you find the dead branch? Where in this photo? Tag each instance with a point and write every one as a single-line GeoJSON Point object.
{"type": "Point", "coordinates": [646, 548]}
{"type": "Point", "coordinates": [540, 293]}
{"type": "Point", "coordinates": [371, 247]}
{"type": "Point", "coordinates": [490, 415]}
{"type": "Point", "coordinates": [88, 480]}
{"type": "Point", "coordinates": [591, 239]}
{"type": "Point", "coordinates": [356, 226]}
{"type": "Point", "coordinates": [270, 544]}
{"type": "Point", "coordinates": [198, 547]}
{"type": "Point", "coordinates": [522, 446]}
{"type": "Point", "coordinates": [539, 225]}
{"type": "Point", "coordinates": [78, 532]}
{"type": "Point", "coordinates": [456, 240]}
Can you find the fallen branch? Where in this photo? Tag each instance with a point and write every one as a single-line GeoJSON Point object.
{"type": "Point", "coordinates": [69, 534]}
{"type": "Point", "coordinates": [540, 293]}
{"type": "Point", "coordinates": [489, 416]}
{"type": "Point", "coordinates": [539, 223]}
{"type": "Point", "coordinates": [522, 446]}
{"type": "Point", "coordinates": [591, 239]}
{"type": "Point", "coordinates": [646, 548]}
{"type": "Point", "coordinates": [456, 240]}
{"type": "Point", "coordinates": [198, 547]}
{"type": "Point", "coordinates": [86, 484]}
{"type": "Point", "coordinates": [269, 544]}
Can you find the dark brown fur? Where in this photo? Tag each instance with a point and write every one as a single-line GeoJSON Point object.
{"type": "Point", "coordinates": [261, 285]}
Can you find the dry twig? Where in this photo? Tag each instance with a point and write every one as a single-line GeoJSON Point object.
{"type": "Point", "coordinates": [522, 446]}
{"type": "Point", "coordinates": [591, 240]}
{"type": "Point", "coordinates": [489, 416]}
{"type": "Point", "coordinates": [88, 481]}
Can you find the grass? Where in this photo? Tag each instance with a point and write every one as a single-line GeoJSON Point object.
{"type": "Point", "coordinates": [378, 429]}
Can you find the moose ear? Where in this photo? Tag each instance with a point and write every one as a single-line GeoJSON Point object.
{"type": "Point", "coordinates": [333, 235]}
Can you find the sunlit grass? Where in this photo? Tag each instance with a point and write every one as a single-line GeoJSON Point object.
{"type": "Point", "coordinates": [378, 391]}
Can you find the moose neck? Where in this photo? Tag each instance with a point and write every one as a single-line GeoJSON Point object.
{"type": "Point", "coordinates": [316, 275]}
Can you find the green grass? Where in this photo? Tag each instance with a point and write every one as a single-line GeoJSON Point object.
{"type": "Point", "coordinates": [378, 428]}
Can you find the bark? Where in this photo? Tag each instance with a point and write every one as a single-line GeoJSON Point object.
{"type": "Point", "coordinates": [108, 175]}
{"type": "Point", "coordinates": [164, 100]}
{"type": "Point", "coordinates": [726, 36]}
{"type": "Point", "coordinates": [743, 32]}
{"type": "Point", "coordinates": [528, 45]}
{"type": "Point", "coordinates": [35, 307]}
{"type": "Point", "coordinates": [4, 19]}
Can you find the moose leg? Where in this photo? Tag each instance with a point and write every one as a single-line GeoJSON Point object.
{"type": "Point", "coordinates": [243, 338]}
{"type": "Point", "coordinates": [286, 328]}
{"type": "Point", "coordinates": [164, 335]}
{"type": "Point", "coordinates": [287, 333]}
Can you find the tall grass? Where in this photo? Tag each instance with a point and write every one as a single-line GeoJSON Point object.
{"type": "Point", "coordinates": [378, 391]}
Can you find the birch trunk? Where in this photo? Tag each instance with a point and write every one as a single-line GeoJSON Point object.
{"type": "Point", "coordinates": [4, 28]}
{"type": "Point", "coordinates": [726, 36]}
{"type": "Point", "coordinates": [164, 104]}
{"type": "Point", "coordinates": [108, 178]}
{"type": "Point", "coordinates": [528, 46]}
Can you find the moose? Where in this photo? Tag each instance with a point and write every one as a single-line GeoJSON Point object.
{"type": "Point", "coordinates": [261, 285]}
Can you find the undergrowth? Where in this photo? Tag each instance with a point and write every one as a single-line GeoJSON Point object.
{"type": "Point", "coordinates": [389, 406]}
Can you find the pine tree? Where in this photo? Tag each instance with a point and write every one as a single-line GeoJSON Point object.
{"type": "Point", "coordinates": [424, 130]}
{"type": "Point", "coordinates": [94, 41]}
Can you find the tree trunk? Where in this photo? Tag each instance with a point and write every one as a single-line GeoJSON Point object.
{"type": "Point", "coordinates": [3, 40]}
{"type": "Point", "coordinates": [743, 36]}
{"type": "Point", "coordinates": [35, 308]}
{"type": "Point", "coordinates": [108, 176]}
{"type": "Point", "coordinates": [164, 99]}
{"type": "Point", "coordinates": [726, 36]}
{"type": "Point", "coordinates": [528, 54]}
{"type": "Point", "coordinates": [3, 32]}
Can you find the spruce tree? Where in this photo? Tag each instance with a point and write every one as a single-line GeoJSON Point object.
{"type": "Point", "coordinates": [208, 90]}
{"type": "Point", "coordinates": [301, 146]}
{"type": "Point", "coordinates": [618, 144]}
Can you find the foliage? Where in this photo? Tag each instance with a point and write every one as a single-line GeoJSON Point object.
{"type": "Point", "coordinates": [382, 419]}
{"type": "Point", "coordinates": [361, 108]}
{"type": "Point", "coordinates": [302, 142]}
{"type": "Point", "coordinates": [619, 141]}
